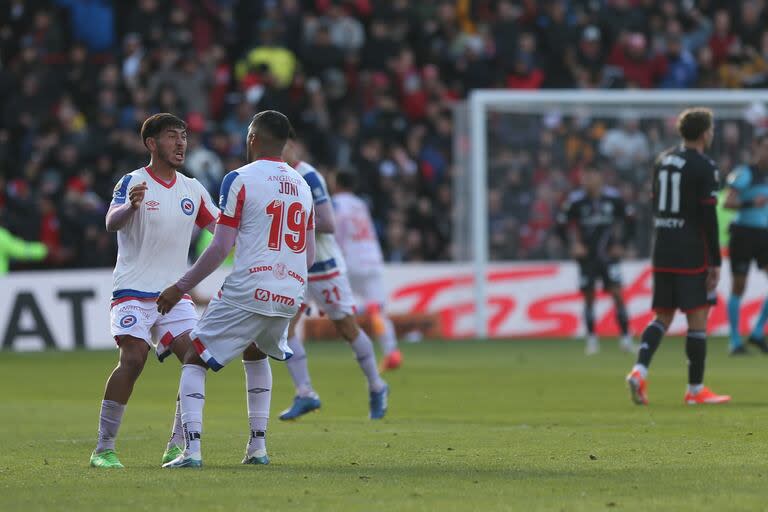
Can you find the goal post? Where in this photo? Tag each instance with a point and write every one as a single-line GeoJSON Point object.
{"type": "Point", "coordinates": [654, 104]}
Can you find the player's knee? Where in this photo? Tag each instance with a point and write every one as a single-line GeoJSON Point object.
{"type": "Point", "coordinates": [132, 362]}
{"type": "Point", "coordinates": [347, 328]}
{"type": "Point", "coordinates": [252, 353]}
{"type": "Point", "coordinates": [738, 285]}
{"type": "Point", "coordinates": [665, 317]}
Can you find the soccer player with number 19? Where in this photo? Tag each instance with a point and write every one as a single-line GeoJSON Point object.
{"type": "Point", "coordinates": [686, 253]}
{"type": "Point", "coordinates": [267, 212]}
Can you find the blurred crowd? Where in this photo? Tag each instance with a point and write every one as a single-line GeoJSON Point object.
{"type": "Point", "coordinates": [536, 160]}
{"type": "Point", "coordinates": [369, 84]}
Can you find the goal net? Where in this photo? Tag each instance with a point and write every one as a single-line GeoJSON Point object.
{"type": "Point", "coordinates": [518, 154]}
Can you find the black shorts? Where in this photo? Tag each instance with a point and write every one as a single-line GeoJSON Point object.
{"type": "Point", "coordinates": [747, 244]}
{"type": "Point", "coordinates": [686, 292]}
{"type": "Point", "coordinates": [591, 270]}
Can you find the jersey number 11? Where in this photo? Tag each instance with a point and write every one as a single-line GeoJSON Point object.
{"type": "Point", "coordinates": [665, 180]}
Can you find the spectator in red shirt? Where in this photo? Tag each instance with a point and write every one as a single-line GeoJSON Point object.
{"type": "Point", "coordinates": [641, 69]}
{"type": "Point", "coordinates": [722, 39]}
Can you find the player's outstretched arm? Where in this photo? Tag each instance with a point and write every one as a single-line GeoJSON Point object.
{"type": "Point", "coordinates": [223, 241]}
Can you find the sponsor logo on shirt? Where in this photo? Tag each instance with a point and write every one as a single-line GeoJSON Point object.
{"type": "Point", "coordinates": [670, 223]}
{"type": "Point", "coordinates": [296, 276]}
{"type": "Point", "coordinates": [187, 206]}
{"type": "Point", "coordinates": [127, 321]}
{"type": "Point", "coordinates": [153, 205]}
{"type": "Point", "coordinates": [280, 271]}
{"type": "Point", "coordinates": [262, 268]}
{"type": "Point", "coordinates": [268, 296]}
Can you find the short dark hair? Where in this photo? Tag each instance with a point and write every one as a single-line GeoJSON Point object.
{"type": "Point", "coordinates": [158, 123]}
{"type": "Point", "coordinates": [346, 179]}
{"type": "Point", "coordinates": [275, 123]}
{"type": "Point", "coordinates": [694, 122]}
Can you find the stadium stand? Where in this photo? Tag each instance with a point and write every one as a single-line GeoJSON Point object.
{"type": "Point", "coordinates": [370, 86]}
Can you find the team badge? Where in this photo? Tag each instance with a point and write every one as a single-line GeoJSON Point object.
{"type": "Point", "coordinates": [127, 321]}
{"type": "Point", "coordinates": [187, 206]}
{"type": "Point", "coordinates": [280, 271]}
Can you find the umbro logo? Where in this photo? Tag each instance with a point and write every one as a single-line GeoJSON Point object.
{"type": "Point", "coordinates": [256, 391]}
{"type": "Point", "coordinates": [153, 205]}
{"type": "Point", "coordinates": [199, 396]}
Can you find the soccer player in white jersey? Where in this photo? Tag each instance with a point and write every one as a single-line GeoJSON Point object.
{"type": "Point", "coordinates": [329, 289]}
{"type": "Point", "coordinates": [154, 211]}
{"type": "Point", "coordinates": [356, 236]}
{"type": "Point", "coordinates": [267, 214]}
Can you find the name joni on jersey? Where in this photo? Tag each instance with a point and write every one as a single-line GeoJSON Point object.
{"type": "Point", "coordinates": [669, 222]}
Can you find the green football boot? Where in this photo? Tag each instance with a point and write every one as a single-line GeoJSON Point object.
{"type": "Point", "coordinates": [171, 453]}
{"type": "Point", "coordinates": [105, 459]}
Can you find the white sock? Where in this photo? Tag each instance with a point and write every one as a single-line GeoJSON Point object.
{"type": "Point", "coordinates": [192, 395]}
{"type": "Point", "coordinates": [695, 388]}
{"type": "Point", "coordinates": [642, 369]}
{"type": "Point", "coordinates": [367, 360]}
{"type": "Point", "coordinates": [298, 369]}
{"type": "Point", "coordinates": [258, 386]}
{"type": "Point", "coordinates": [388, 338]}
{"type": "Point", "coordinates": [110, 418]}
{"type": "Point", "coordinates": [177, 431]}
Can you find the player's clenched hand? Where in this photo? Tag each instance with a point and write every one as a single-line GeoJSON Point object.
{"type": "Point", "coordinates": [136, 194]}
{"type": "Point", "coordinates": [713, 277]}
{"type": "Point", "coordinates": [169, 298]}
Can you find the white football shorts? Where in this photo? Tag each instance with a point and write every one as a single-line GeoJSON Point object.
{"type": "Point", "coordinates": [225, 331]}
{"type": "Point", "coordinates": [368, 289]}
{"type": "Point", "coordinates": [140, 319]}
{"type": "Point", "coordinates": [332, 295]}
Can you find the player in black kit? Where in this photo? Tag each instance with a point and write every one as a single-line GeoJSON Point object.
{"type": "Point", "coordinates": [686, 253]}
{"type": "Point", "coordinates": [596, 224]}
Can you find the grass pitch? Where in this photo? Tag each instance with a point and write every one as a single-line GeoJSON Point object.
{"type": "Point", "coordinates": [472, 426]}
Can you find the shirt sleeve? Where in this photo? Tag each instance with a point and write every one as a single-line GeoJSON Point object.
{"type": "Point", "coordinates": [120, 193]}
{"type": "Point", "coordinates": [740, 179]}
{"type": "Point", "coordinates": [231, 200]}
{"type": "Point", "coordinates": [317, 186]}
{"type": "Point", "coordinates": [207, 212]}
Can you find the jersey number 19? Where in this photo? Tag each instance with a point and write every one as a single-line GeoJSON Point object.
{"type": "Point", "coordinates": [296, 224]}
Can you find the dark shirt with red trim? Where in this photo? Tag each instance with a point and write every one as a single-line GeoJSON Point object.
{"type": "Point", "coordinates": [685, 187]}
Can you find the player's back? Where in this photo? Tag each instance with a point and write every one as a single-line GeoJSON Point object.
{"type": "Point", "coordinates": [271, 205]}
{"type": "Point", "coordinates": [684, 180]}
{"type": "Point", "coordinates": [356, 234]}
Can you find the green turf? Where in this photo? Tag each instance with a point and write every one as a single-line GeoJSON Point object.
{"type": "Point", "coordinates": [472, 426]}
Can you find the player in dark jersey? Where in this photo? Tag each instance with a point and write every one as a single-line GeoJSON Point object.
{"type": "Point", "coordinates": [686, 253]}
{"type": "Point", "coordinates": [748, 194]}
{"type": "Point", "coordinates": [596, 224]}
